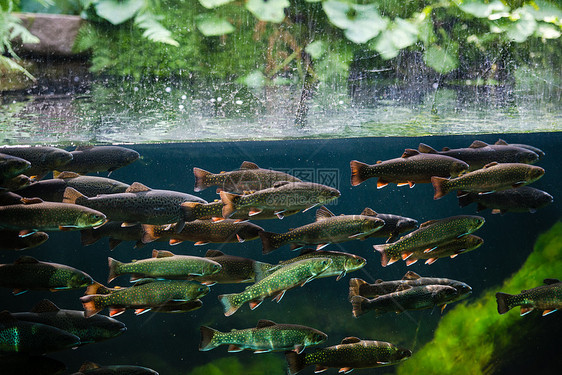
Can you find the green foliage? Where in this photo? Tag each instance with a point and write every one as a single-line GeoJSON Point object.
{"type": "Point", "coordinates": [266, 364]}
{"type": "Point", "coordinates": [474, 333]}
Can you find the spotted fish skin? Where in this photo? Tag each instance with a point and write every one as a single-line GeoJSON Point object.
{"type": "Point", "coordinates": [145, 294]}
{"type": "Point", "coordinates": [250, 177]}
{"type": "Point", "coordinates": [268, 336]}
{"type": "Point", "coordinates": [430, 235]}
{"type": "Point", "coordinates": [327, 228]}
{"type": "Point", "coordinates": [493, 177]}
{"type": "Point", "coordinates": [11, 166]}
{"type": "Point", "coordinates": [11, 240]}
{"type": "Point", "coordinates": [94, 329]}
{"type": "Point", "coordinates": [32, 338]}
{"type": "Point", "coordinates": [479, 154]}
{"type": "Point", "coordinates": [352, 353]}
{"type": "Point", "coordinates": [449, 249]}
{"type": "Point", "coordinates": [43, 159]}
{"type": "Point", "coordinates": [275, 284]}
{"type": "Point", "coordinates": [116, 233]}
{"type": "Point", "coordinates": [91, 186]}
{"type": "Point", "coordinates": [521, 199]}
{"type": "Point", "coordinates": [90, 159]}
{"type": "Point", "coordinates": [214, 210]}
{"type": "Point", "coordinates": [412, 168]}
{"type": "Point", "coordinates": [546, 297]}
{"type": "Point", "coordinates": [29, 273]}
{"type": "Point", "coordinates": [393, 225]}
{"type": "Point", "coordinates": [283, 196]}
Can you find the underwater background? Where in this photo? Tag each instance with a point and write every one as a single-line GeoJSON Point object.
{"type": "Point", "coordinates": [168, 343]}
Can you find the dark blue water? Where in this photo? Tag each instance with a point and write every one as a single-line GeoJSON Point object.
{"type": "Point", "coordinates": [169, 343]}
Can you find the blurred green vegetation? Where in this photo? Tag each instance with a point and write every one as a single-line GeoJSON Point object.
{"type": "Point", "coordinates": [472, 338]}
{"type": "Point", "coordinates": [264, 364]}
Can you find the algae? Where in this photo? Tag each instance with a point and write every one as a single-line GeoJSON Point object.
{"type": "Point", "coordinates": [266, 364]}
{"type": "Point", "coordinates": [474, 339]}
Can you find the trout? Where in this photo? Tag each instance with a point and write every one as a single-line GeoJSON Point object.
{"type": "Point", "coordinates": [547, 298]}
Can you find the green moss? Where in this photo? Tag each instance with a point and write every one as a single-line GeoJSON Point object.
{"type": "Point", "coordinates": [266, 364]}
{"type": "Point", "coordinates": [472, 335]}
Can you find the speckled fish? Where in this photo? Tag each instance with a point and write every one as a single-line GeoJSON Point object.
{"type": "Point", "coordinates": [143, 296]}
{"type": "Point", "coordinates": [521, 199]}
{"type": "Point", "coordinates": [21, 363]}
{"type": "Point", "coordinates": [429, 236]}
{"type": "Point", "coordinates": [43, 159]}
{"type": "Point", "coordinates": [163, 265]}
{"type": "Point", "coordinates": [91, 186]}
{"type": "Point", "coordinates": [410, 169]}
{"type": "Point", "coordinates": [342, 263]}
{"type": "Point", "coordinates": [448, 249]}
{"type": "Point", "coordinates": [11, 240]}
{"type": "Point", "coordinates": [234, 269]}
{"type": "Point", "coordinates": [213, 211]}
{"type": "Point", "coordinates": [11, 166]}
{"type": "Point", "coordinates": [90, 159]}
{"type": "Point", "coordinates": [139, 204]}
{"type": "Point", "coordinates": [203, 232]}
{"type": "Point", "coordinates": [249, 177]}
{"type": "Point", "coordinates": [358, 287]}
{"type": "Point", "coordinates": [493, 177]}
{"type": "Point", "coordinates": [29, 273]}
{"type": "Point", "coordinates": [51, 190]}
{"type": "Point", "coordinates": [327, 229]}
{"type": "Point", "coordinates": [18, 336]}
{"type": "Point", "coordinates": [538, 151]}
{"type": "Point", "coordinates": [90, 368]}
{"type": "Point", "coordinates": [547, 298]}
{"type": "Point", "coordinates": [36, 215]}
{"type": "Point", "coordinates": [116, 233]}
{"type": "Point", "coordinates": [275, 284]}
{"type": "Point", "coordinates": [394, 225]}
{"type": "Point", "coordinates": [89, 330]}
{"type": "Point", "coordinates": [352, 353]}
{"type": "Point", "coordinates": [479, 154]}
{"type": "Point", "coordinates": [15, 183]}
{"type": "Point", "coordinates": [266, 337]}
{"type": "Point", "coordinates": [405, 297]}
{"type": "Point", "coordinates": [283, 196]}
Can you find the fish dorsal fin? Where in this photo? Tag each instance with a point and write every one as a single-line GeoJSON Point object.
{"type": "Point", "coordinates": [378, 281]}
{"type": "Point", "coordinates": [403, 287]}
{"type": "Point", "coordinates": [66, 174]}
{"type": "Point", "coordinates": [162, 253]}
{"type": "Point", "coordinates": [45, 306]}
{"type": "Point", "coordinates": [411, 275]}
{"type": "Point", "coordinates": [378, 162]}
{"type": "Point", "coordinates": [425, 149]}
{"type": "Point", "coordinates": [307, 251]}
{"type": "Point", "coordinates": [31, 200]}
{"type": "Point", "coordinates": [88, 366]}
{"type": "Point", "coordinates": [249, 165]}
{"type": "Point", "coordinates": [551, 281]}
{"type": "Point", "coordinates": [368, 212]}
{"type": "Point", "coordinates": [137, 187]}
{"type": "Point", "coordinates": [491, 164]}
{"type": "Point", "coordinates": [427, 223]}
{"type": "Point", "coordinates": [501, 142]}
{"type": "Point", "coordinates": [410, 152]}
{"type": "Point", "coordinates": [323, 213]}
{"type": "Point", "coordinates": [213, 253]}
{"type": "Point", "coordinates": [350, 340]}
{"type": "Point", "coordinates": [280, 183]}
{"type": "Point", "coordinates": [478, 144]}
{"type": "Point", "coordinates": [26, 259]}
{"type": "Point", "coordinates": [265, 323]}
{"type": "Point", "coordinates": [84, 147]}
{"type": "Point", "coordinates": [446, 149]}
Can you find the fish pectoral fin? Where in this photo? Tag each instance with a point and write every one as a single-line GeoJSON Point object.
{"type": "Point", "coordinates": [240, 239]}
{"type": "Point", "coordinates": [279, 296]}
{"type": "Point", "coordinates": [254, 304]}
{"type": "Point", "coordinates": [262, 351]}
{"type": "Point", "coordinates": [409, 262]}
{"type": "Point", "coordinates": [280, 214]}
{"type": "Point", "coordinates": [321, 246]}
{"type": "Point", "coordinates": [18, 291]}
{"type": "Point", "coordinates": [25, 232]}
{"type": "Point", "coordinates": [341, 275]}
{"type": "Point", "coordinates": [116, 312]}
{"type": "Point", "coordinates": [546, 312]}
{"type": "Point", "coordinates": [525, 310]}
{"type": "Point", "coordinates": [254, 211]}
{"type": "Point", "coordinates": [199, 243]}
{"type": "Point", "coordinates": [405, 255]}
{"type": "Point", "coordinates": [234, 349]}
{"type": "Point", "coordinates": [320, 369]}
{"type": "Point", "coordinates": [299, 348]}
{"type": "Point", "coordinates": [381, 183]}
{"type": "Point", "coordinates": [174, 242]}
{"type": "Point", "coordinates": [429, 250]}
{"type": "Point", "coordinates": [142, 311]}
{"type": "Point", "coordinates": [310, 207]}
{"type": "Point", "coordinates": [345, 370]}
{"type": "Point", "coordinates": [431, 261]}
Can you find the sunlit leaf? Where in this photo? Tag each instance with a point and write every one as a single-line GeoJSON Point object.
{"type": "Point", "coordinates": [521, 29]}
{"type": "Point", "coordinates": [253, 79]}
{"type": "Point", "coordinates": [385, 46]}
{"type": "Point", "coordinates": [426, 32]}
{"type": "Point", "coordinates": [268, 10]}
{"type": "Point", "coordinates": [360, 22]}
{"type": "Point", "coordinates": [441, 59]}
{"type": "Point", "coordinates": [544, 11]}
{"type": "Point", "coordinates": [153, 30]}
{"type": "Point", "coordinates": [210, 4]}
{"type": "Point", "coordinates": [479, 9]}
{"type": "Point", "coordinates": [212, 25]}
{"type": "Point", "coordinates": [118, 12]}
{"type": "Point", "coordinates": [316, 49]}
{"type": "Point", "coordinates": [403, 33]}
{"type": "Point", "coordinates": [547, 31]}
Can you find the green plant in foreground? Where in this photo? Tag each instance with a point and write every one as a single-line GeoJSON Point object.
{"type": "Point", "coordinates": [470, 335]}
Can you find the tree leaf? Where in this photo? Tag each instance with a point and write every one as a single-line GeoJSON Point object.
{"type": "Point", "coordinates": [212, 25]}
{"type": "Point", "coordinates": [547, 31]}
{"type": "Point", "coordinates": [270, 10]}
{"type": "Point", "coordinates": [118, 12]}
{"type": "Point", "coordinates": [360, 22]}
{"type": "Point", "coordinates": [385, 46]}
{"type": "Point", "coordinates": [441, 59]}
{"type": "Point", "coordinates": [153, 30]}
{"type": "Point", "coordinates": [210, 4]}
{"type": "Point", "coordinates": [522, 28]}
{"type": "Point", "coordinates": [316, 49]}
{"type": "Point", "coordinates": [482, 10]}
{"type": "Point", "coordinates": [253, 79]}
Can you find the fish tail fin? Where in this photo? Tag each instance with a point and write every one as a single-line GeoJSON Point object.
{"type": "Point", "coordinates": [97, 288]}
{"type": "Point", "coordinates": [503, 302]}
{"type": "Point", "coordinates": [296, 362]}
{"type": "Point", "coordinates": [72, 195]}
{"type": "Point", "coordinates": [355, 286]}
{"type": "Point", "coordinates": [357, 169]}
{"type": "Point", "coordinates": [357, 305]}
{"type": "Point", "coordinates": [88, 237]}
{"type": "Point", "coordinates": [91, 304]}
{"type": "Point", "coordinates": [385, 259]}
{"type": "Point", "coordinates": [229, 200]}
{"type": "Point", "coordinates": [425, 149]}
{"type": "Point", "coordinates": [440, 186]}
{"type": "Point", "coordinates": [114, 266]}
{"type": "Point", "coordinates": [189, 210]}
{"type": "Point", "coordinates": [465, 200]}
{"type": "Point", "coordinates": [149, 233]}
{"type": "Point", "coordinates": [200, 178]}
{"type": "Point", "coordinates": [230, 306]}
{"type": "Point", "coordinates": [270, 242]}
{"type": "Point", "coordinates": [261, 270]}
{"type": "Point", "coordinates": [207, 335]}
